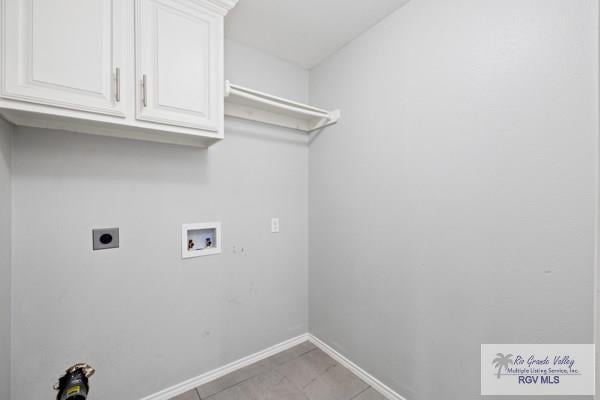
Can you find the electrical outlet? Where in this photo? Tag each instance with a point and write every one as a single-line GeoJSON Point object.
{"type": "Point", "coordinates": [105, 238]}
{"type": "Point", "coordinates": [274, 225]}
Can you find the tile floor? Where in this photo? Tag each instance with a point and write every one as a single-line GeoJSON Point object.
{"type": "Point", "coordinates": [303, 372]}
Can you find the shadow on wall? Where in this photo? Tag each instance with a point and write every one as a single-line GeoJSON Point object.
{"type": "Point", "coordinates": [92, 156]}
{"type": "Point", "coordinates": [77, 155]}
{"type": "Point", "coordinates": [5, 150]}
{"type": "Point", "coordinates": [266, 132]}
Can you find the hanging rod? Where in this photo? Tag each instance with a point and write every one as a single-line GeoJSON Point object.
{"type": "Point", "coordinates": [251, 104]}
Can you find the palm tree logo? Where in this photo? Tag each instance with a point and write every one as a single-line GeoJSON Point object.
{"type": "Point", "coordinates": [502, 361]}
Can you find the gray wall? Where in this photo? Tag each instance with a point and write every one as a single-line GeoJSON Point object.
{"type": "Point", "coordinates": [5, 250]}
{"type": "Point", "coordinates": [467, 152]}
{"type": "Point", "coordinates": [145, 318]}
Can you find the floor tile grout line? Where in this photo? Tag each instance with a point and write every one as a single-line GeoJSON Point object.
{"type": "Point", "coordinates": [357, 394]}
{"type": "Point", "coordinates": [274, 366]}
{"type": "Point", "coordinates": [232, 386]}
{"type": "Point", "coordinates": [240, 382]}
{"type": "Point", "coordinates": [270, 367]}
{"type": "Point", "coordinates": [318, 376]}
{"type": "Point", "coordinates": [253, 376]}
{"type": "Point", "coordinates": [295, 357]}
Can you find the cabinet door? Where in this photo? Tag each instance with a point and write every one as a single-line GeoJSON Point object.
{"type": "Point", "coordinates": [64, 53]}
{"type": "Point", "coordinates": [179, 63]}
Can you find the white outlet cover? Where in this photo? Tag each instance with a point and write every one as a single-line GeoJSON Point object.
{"type": "Point", "coordinates": [274, 225]}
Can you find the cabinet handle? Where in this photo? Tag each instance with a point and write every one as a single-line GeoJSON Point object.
{"type": "Point", "coordinates": [144, 91]}
{"type": "Point", "coordinates": [118, 85]}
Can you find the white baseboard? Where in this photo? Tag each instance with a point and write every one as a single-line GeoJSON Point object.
{"type": "Point", "coordinates": [200, 380]}
{"type": "Point", "coordinates": [361, 373]}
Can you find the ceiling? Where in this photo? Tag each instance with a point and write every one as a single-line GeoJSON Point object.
{"type": "Point", "coordinates": [304, 32]}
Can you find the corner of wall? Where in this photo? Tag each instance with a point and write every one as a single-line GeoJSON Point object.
{"type": "Point", "coordinates": [6, 148]}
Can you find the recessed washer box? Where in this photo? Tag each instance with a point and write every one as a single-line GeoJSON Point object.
{"type": "Point", "coordinates": [201, 239]}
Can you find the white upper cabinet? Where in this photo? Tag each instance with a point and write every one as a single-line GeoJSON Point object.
{"type": "Point", "coordinates": [65, 53]}
{"type": "Point", "coordinates": [179, 64]}
{"type": "Point", "coordinates": [142, 69]}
